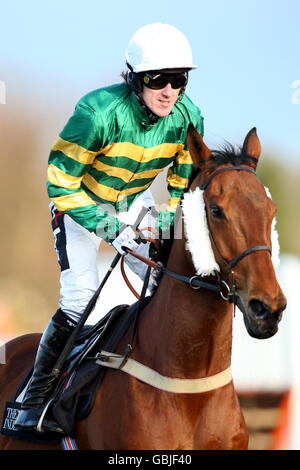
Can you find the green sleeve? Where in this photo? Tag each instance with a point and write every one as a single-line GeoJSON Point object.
{"type": "Point", "coordinates": [70, 159]}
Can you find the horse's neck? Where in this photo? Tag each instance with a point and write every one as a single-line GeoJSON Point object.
{"type": "Point", "coordinates": [185, 332]}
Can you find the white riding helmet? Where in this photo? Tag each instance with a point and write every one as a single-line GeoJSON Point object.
{"type": "Point", "coordinates": [159, 46]}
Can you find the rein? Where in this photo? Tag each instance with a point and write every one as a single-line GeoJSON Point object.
{"type": "Point", "coordinates": [150, 376]}
{"type": "Point", "coordinates": [194, 282]}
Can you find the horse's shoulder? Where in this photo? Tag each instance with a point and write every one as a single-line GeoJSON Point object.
{"type": "Point", "coordinates": [22, 348]}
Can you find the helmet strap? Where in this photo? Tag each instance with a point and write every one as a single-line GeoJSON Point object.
{"type": "Point", "coordinates": [153, 118]}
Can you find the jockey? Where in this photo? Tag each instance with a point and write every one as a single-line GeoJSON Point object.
{"type": "Point", "coordinates": [100, 168]}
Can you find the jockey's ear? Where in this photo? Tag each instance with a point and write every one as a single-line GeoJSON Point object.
{"type": "Point", "coordinates": [197, 148]}
{"type": "Point", "coordinates": [252, 147]}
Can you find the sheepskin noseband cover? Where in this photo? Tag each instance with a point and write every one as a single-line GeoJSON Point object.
{"type": "Point", "coordinates": [197, 234]}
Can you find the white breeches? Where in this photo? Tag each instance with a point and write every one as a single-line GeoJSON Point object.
{"type": "Point", "coordinates": [77, 250]}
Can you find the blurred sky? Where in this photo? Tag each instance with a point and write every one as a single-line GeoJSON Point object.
{"type": "Point", "coordinates": [248, 53]}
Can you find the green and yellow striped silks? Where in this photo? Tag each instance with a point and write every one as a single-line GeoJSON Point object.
{"type": "Point", "coordinates": [108, 154]}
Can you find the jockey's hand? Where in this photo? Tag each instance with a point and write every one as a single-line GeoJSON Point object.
{"type": "Point", "coordinates": [127, 239]}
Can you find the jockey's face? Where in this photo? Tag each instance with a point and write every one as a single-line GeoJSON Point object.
{"type": "Point", "coordinates": [160, 101]}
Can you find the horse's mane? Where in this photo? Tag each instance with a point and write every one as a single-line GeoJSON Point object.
{"type": "Point", "coordinates": [228, 154]}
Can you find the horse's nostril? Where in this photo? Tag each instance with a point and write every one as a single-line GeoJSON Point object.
{"type": "Point", "coordinates": [278, 313]}
{"type": "Point", "coordinates": [259, 309]}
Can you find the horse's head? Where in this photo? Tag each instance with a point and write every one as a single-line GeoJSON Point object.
{"type": "Point", "coordinates": [240, 220]}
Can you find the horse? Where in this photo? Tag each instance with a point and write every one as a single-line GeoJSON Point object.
{"type": "Point", "coordinates": [223, 257]}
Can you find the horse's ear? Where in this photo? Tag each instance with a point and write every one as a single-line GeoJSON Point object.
{"type": "Point", "coordinates": [197, 148]}
{"type": "Point", "coordinates": [252, 146]}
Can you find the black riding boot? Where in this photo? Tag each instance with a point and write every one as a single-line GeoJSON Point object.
{"type": "Point", "coordinates": [43, 378]}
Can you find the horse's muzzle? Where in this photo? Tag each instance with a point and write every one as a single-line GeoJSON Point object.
{"type": "Point", "coordinates": [261, 319]}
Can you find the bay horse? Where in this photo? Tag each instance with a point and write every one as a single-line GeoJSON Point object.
{"type": "Point", "coordinates": [184, 333]}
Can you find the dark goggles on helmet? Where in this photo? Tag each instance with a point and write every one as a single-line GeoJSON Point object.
{"type": "Point", "coordinates": [157, 81]}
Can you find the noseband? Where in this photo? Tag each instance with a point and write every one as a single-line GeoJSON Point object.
{"type": "Point", "coordinates": [194, 282]}
{"type": "Point", "coordinates": [221, 286]}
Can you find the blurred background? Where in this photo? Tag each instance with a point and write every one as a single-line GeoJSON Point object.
{"type": "Point", "coordinates": [247, 52]}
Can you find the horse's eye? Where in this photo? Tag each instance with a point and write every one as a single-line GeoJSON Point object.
{"type": "Point", "coordinates": [216, 212]}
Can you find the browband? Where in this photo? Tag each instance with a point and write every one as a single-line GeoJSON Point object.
{"type": "Point", "coordinates": [229, 168]}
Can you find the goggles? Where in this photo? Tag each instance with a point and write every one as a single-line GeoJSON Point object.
{"type": "Point", "coordinates": [157, 81]}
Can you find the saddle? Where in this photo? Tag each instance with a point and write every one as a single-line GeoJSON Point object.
{"type": "Point", "coordinates": [74, 395]}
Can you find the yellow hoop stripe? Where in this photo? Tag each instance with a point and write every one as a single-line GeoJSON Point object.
{"type": "Point", "coordinates": [72, 201]}
{"type": "Point", "coordinates": [59, 178]}
{"type": "Point", "coordinates": [74, 151]}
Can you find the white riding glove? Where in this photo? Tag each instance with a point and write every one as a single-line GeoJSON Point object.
{"type": "Point", "coordinates": [127, 239]}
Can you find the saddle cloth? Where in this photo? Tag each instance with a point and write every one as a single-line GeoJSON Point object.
{"type": "Point", "coordinates": [74, 395]}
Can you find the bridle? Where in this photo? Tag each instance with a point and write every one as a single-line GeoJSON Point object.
{"type": "Point", "coordinates": [220, 286]}
{"type": "Point", "coordinates": [249, 251]}
{"type": "Point", "coordinates": [232, 296]}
